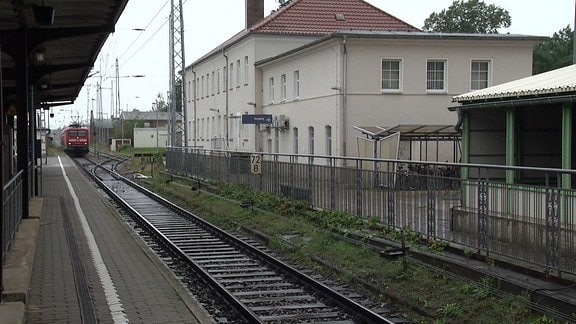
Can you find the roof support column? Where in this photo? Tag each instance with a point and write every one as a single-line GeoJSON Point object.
{"type": "Point", "coordinates": [22, 141]}
{"type": "Point", "coordinates": [3, 160]}
{"type": "Point", "coordinates": [567, 132]}
{"type": "Point", "coordinates": [510, 143]}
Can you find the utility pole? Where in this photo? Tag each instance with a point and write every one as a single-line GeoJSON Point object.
{"type": "Point", "coordinates": [177, 89]}
{"type": "Point", "coordinates": [117, 103]}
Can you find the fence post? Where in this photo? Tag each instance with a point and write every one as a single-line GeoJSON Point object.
{"type": "Point", "coordinates": [358, 188]}
{"type": "Point", "coordinates": [431, 205]}
{"type": "Point", "coordinates": [483, 215]}
{"type": "Point", "coordinates": [552, 227]}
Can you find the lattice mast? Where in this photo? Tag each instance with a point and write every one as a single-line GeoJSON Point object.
{"type": "Point", "coordinates": [176, 91]}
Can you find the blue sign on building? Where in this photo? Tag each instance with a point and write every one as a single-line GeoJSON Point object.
{"type": "Point", "coordinates": [256, 119]}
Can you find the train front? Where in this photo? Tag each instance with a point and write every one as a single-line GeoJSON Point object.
{"type": "Point", "coordinates": [76, 141]}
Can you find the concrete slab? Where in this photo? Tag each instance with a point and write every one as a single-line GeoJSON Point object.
{"type": "Point", "coordinates": [13, 313]}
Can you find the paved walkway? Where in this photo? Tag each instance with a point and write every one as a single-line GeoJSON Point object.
{"type": "Point", "coordinates": [90, 267]}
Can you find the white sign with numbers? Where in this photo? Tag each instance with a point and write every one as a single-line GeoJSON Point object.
{"type": "Point", "coordinates": [256, 163]}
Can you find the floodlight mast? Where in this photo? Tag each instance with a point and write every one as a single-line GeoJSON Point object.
{"type": "Point", "coordinates": [177, 88]}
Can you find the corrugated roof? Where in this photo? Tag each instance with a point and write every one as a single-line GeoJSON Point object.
{"type": "Point", "coordinates": [322, 17]}
{"type": "Point", "coordinates": [559, 81]}
{"type": "Point", "coordinates": [409, 132]}
{"type": "Point", "coordinates": [145, 115]}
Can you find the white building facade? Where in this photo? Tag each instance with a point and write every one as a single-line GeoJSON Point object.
{"type": "Point", "coordinates": [379, 79]}
{"type": "Point", "coordinates": [318, 87]}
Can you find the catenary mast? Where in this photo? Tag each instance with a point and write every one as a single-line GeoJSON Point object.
{"type": "Point", "coordinates": [176, 90]}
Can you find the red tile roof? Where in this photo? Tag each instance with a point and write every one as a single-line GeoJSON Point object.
{"type": "Point", "coordinates": [322, 17]}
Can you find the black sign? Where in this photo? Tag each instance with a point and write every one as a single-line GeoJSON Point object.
{"type": "Point", "coordinates": [256, 119]}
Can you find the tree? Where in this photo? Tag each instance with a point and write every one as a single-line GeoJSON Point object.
{"type": "Point", "coordinates": [555, 52]}
{"type": "Point", "coordinates": [160, 103]}
{"type": "Point", "coordinates": [473, 16]}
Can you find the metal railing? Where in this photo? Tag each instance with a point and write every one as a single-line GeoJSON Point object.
{"type": "Point", "coordinates": [12, 204]}
{"type": "Point", "coordinates": [522, 213]}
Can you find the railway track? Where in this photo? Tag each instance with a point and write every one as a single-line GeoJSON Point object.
{"type": "Point", "coordinates": [258, 286]}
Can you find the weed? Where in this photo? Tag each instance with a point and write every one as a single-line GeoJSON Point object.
{"type": "Point", "coordinates": [451, 310]}
{"type": "Point", "coordinates": [483, 288]}
{"type": "Point", "coordinates": [469, 254]}
{"type": "Point", "coordinates": [490, 261]}
{"type": "Point", "coordinates": [437, 246]}
{"type": "Point", "coordinates": [543, 320]}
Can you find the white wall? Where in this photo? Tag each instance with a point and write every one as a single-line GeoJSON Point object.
{"type": "Point", "coordinates": [150, 137]}
{"type": "Point", "coordinates": [213, 108]}
{"type": "Point", "coordinates": [335, 97]}
{"type": "Point", "coordinates": [322, 68]}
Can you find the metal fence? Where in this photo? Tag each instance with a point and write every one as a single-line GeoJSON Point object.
{"type": "Point", "coordinates": [522, 213]}
{"type": "Point", "coordinates": [12, 204]}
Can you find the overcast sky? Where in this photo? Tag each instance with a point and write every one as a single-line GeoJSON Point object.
{"type": "Point", "coordinates": [209, 23]}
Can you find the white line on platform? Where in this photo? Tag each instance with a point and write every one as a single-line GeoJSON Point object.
{"type": "Point", "coordinates": [112, 298]}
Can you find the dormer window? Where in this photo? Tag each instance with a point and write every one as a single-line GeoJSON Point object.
{"type": "Point", "coordinates": [340, 17]}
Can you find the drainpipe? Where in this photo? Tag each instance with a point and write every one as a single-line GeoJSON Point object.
{"type": "Point", "coordinates": [227, 135]}
{"type": "Point", "coordinates": [194, 108]}
{"type": "Point", "coordinates": [344, 97]}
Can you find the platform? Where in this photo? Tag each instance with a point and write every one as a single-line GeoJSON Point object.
{"type": "Point", "coordinates": [75, 260]}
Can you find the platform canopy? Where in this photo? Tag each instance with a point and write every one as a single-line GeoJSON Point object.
{"type": "Point", "coordinates": [52, 45]}
{"type": "Point", "coordinates": [412, 132]}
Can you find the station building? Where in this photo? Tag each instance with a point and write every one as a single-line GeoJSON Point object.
{"type": "Point", "coordinates": [322, 69]}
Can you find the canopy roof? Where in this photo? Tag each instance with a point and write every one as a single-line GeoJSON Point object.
{"type": "Point", "coordinates": [553, 83]}
{"type": "Point", "coordinates": [59, 41]}
{"type": "Point", "coordinates": [412, 132]}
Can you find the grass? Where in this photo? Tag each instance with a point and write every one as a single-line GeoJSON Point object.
{"type": "Point", "coordinates": [306, 237]}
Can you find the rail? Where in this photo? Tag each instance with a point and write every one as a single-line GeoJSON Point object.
{"type": "Point", "coordinates": [523, 213]}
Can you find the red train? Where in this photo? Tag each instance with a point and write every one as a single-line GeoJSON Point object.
{"type": "Point", "coordinates": [75, 140]}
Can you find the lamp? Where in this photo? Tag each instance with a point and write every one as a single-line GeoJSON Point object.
{"type": "Point", "coordinates": [40, 56]}
{"type": "Point", "coordinates": [251, 103]}
{"type": "Point", "coordinates": [214, 109]}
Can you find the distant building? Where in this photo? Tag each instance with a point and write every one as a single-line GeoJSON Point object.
{"type": "Point", "coordinates": [148, 128]}
{"type": "Point", "coordinates": [322, 67]}
{"type": "Point", "coordinates": [151, 137]}
{"type": "Point", "coordinates": [147, 118]}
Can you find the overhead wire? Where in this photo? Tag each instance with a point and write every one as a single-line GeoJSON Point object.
{"type": "Point", "coordinates": [146, 28]}
{"type": "Point", "coordinates": [149, 38]}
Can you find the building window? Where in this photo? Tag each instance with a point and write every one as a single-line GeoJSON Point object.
{"type": "Point", "coordinates": [246, 70]}
{"type": "Point", "coordinates": [480, 75]}
{"type": "Point", "coordinates": [436, 75]}
{"type": "Point", "coordinates": [311, 140]}
{"type": "Point", "coordinates": [225, 75]}
{"type": "Point", "coordinates": [283, 87]}
{"type": "Point", "coordinates": [237, 73]}
{"type": "Point", "coordinates": [276, 142]}
{"type": "Point", "coordinates": [391, 74]}
{"type": "Point", "coordinates": [297, 84]}
{"type": "Point", "coordinates": [213, 86]}
{"type": "Point", "coordinates": [269, 142]}
{"type": "Point", "coordinates": [271, 87]}
{"type": "Point", "coordinates": [195, 90]}
{"type": "Point", "coordinates": [329, 140]}
{"type": "Point", "coordinates": [218, 82]}
{"type": "Point", "coordinates": [295, 140]}
{"type": "Point", "coordinates": [207, 84]}
{"type": "Point", "coordinates": [231, 79]}
{"type": "Point", "coordinates": [202, 89]}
